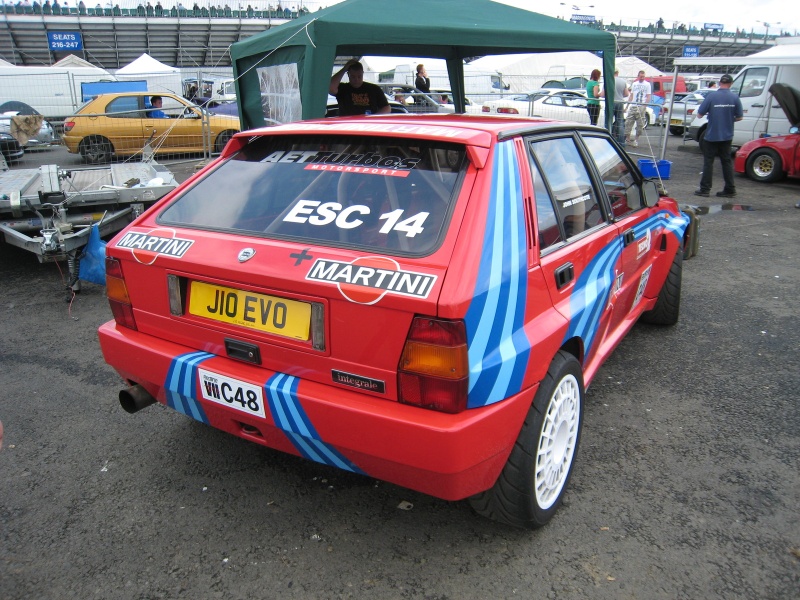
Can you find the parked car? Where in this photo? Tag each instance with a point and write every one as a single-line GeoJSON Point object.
{"type": "Point", "coordinates": [121, 124]}
{"type": "Point", "coordinates": [420, 299]}
{"type": "Point", "coordinates": [551, 103]}
{"type": "Point", "coordinates": [683, 110]}
{"type": "Point", "coordinates": [10, 147]}
{"type": "Point", "coordinates": [416, 101]}
{"type": "Point", "coordinates": [332, 110]}
{"type": "Point", "coordinates": [42, 136]}
{"type": "Point", "coordinates": [772, 158]}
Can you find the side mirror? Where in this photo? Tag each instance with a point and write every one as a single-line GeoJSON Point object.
{"type": "Point", "coordinates": [650, 191]}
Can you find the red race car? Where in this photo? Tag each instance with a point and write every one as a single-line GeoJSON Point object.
{"type": "Point", "coordinates": [773, 158]}
{"type": "Point", "coordinates": [419, 299]}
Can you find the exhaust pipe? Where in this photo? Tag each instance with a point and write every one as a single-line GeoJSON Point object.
{"type": "Point", "coordinates": [135, 398]}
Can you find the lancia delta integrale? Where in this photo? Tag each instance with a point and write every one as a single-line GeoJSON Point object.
{"type": "Point", "coordinates": [418, 299]}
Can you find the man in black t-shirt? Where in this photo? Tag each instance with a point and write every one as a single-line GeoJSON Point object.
{"type": "Point", "coordinates": [357, 97]}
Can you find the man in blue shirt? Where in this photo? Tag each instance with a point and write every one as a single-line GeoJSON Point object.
{"type": "Point", "coordinates": [723, 108]}
{"type": "Point", "coordinates": [156, 112]}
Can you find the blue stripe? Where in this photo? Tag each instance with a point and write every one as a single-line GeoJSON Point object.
{"type": "Point", "coordinates": [289, 416]}
{"type": "Point", "coordinates": [591, 294]}
{"type": "Point", "coordinates": [181, 385]}
{"type": "Point", "coordinates": [593, 288]}
{"type": "Point", "coordinates": [498, 347]}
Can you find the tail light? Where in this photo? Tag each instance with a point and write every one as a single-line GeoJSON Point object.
{"type": "Point", "coordinates": [117, 293]}
{"type": "Point", "coordinates": [434, 368]}
{"type": "Point", "coordinates": [68, 125]}
{"type": "Point", "coordinates": [485, 109]}
{"type": "Point", "coordinates": [508, 111]}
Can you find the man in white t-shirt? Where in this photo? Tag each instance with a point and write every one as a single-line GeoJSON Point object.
{"type": "Point", "coordinates": [641, 92]}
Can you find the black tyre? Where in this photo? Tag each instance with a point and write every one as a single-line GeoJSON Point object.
{"type": "Point", "coordinates": [668, 305]}
{"type": "Point", "coordinates": [96, 150]}
{"type": "Point", "coordinates": [676, 130]}
{"type": "Point", "coordinates": [531, 486]}
{"type": "Point", "coordinates": [222, 140]}
{"type": "Point", "coordinates": [701, 139]}
{"type": "Point", "coordinates": [764, 165]}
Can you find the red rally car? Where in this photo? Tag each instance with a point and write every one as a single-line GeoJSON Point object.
{"type": "Point", "coordinates": [419, 299]}
{"type": "Point", "coordinates": [773, 158]}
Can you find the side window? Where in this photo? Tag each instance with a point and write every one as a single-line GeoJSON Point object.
{"type": "Point", "coordinates": [554, 100]}
{"type": "Point", "coordinates": [751, 83]}
{"type": "Point", "coordinates": [624, 194]}
{"type": "Point", "coordinates": [172, 107]}
{"type": "Point", "coordinates": [570, 186]}
{"type": "Point", "coordinates": [125, 107]}
{"type": "Point", "coordinates": [548, 231]}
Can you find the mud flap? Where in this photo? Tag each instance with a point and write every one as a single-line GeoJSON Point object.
{"type": "Point", "coordinates": [691, 239]}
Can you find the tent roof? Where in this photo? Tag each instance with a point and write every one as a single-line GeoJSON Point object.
{"type": "Point", "coordinates": [71, 61]}
{"type": "Point", "coordinates": [447, 29]}
{"type": "Point", "coordinates": [787, 53]}
{"type": "Point", "coordinates": [441, 29]}
{"type": "Point", "coordinates": [146, 65]}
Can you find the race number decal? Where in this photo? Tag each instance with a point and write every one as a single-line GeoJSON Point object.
{"type": "Point", "coordinates": [319, 213]}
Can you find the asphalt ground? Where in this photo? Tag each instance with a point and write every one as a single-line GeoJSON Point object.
{"type": "Point", "coordinates": [686, 484]}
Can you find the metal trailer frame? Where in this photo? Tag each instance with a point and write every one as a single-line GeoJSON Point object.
{"type": "Point", "coordinates": [50, 211]}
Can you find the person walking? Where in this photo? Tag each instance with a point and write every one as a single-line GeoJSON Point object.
{"type": "Point", "coordinates": [723, 108]}
{"type": "Point", "coordinates": [641, 92]}
{"type": "Point", "coordinates": [593, 94]}
{"type": "Point", "coordinates": [621, 92]}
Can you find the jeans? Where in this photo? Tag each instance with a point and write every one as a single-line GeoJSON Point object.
{"type": "Point", "coordinates": [594, 113]}
{"type": "Point", "coordinates": [618, 128]}
{"type": "Point", "coordinates": [712, 150]}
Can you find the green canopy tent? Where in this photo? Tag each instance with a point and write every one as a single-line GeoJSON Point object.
{"type": "Point", "coordinates": [298, 57]}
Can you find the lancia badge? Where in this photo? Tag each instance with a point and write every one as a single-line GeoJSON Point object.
{"type": "Point", "coordinates": [246, 254]}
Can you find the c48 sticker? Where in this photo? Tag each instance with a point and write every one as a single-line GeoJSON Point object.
{"type": "Point", "coordinates": [232, 393]}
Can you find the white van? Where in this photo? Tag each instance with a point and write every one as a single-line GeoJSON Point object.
{"type": "Point", "coordinates": [763, 116]}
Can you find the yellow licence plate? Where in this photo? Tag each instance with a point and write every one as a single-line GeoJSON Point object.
{"type": "Point", "coordinates": [281, 316]}
{"type": "Point", "coordinates": [676, 122]}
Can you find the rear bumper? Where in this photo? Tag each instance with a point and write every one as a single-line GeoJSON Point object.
{"type": "Point", "coordinates": [447, 456]}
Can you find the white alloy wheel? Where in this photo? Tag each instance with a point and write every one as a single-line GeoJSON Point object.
{"type": "Point", "coordinates": [557, 442]}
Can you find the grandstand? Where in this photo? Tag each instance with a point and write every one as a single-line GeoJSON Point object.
{"type": "Point", "coordinates": [112, 37]}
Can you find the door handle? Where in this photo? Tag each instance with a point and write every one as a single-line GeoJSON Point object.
{"type": "Point", "coordinates": [564, 274]}
{"type": "Point", "coordinates": [757, 105]}
{"type": "Point", "coordinates": [628, 237]}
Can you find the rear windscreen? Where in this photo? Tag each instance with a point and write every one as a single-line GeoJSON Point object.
{"type": "Point", "coordinates": [389, 195]}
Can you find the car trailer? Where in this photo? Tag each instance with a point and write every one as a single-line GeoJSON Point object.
{"type": "Point", "coordinates": [51, 211]}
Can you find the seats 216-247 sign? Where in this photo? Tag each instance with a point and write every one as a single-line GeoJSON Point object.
{"type": "Point", "coordinates": [61, 41]}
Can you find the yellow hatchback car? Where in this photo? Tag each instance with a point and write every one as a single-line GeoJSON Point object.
{"type": "Point", "coordinates": [121, 124]}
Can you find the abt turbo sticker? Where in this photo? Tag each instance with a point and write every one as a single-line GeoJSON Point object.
{"type": "Point", "coordinates": [367, 279]}
{"type": "Point", "coordinates": [369, 162]}
{"type": "Point", "coordinates": [232, 393]}
{"type": "Point", "coordinates": [148, 246]}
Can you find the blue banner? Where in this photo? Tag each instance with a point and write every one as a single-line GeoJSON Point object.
{"type": "Point", "coordinates": [582, 19]}
{"type": "Point", "coordinates": [691, 51]}
{"type": "Point", "coordinates": [64, 41]}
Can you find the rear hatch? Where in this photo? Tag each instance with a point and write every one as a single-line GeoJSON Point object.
{"type": "Point", "coordinates": [305, 254]}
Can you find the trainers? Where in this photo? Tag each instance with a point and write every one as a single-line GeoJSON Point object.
{"type": "Point", "coordinates": [701, 193]}
{"type": "Point", "coordinates": [724, 194]}
{"type": "Point", "coordinates": [635, 144]}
